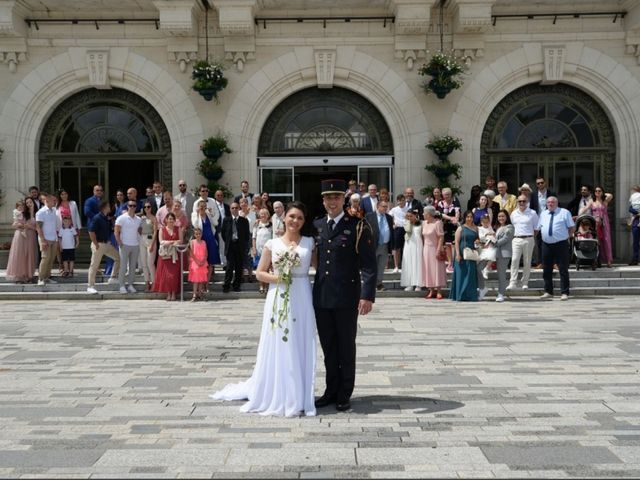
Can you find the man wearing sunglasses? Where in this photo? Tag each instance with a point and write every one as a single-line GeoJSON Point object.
{"type": "Point", "coordinates": [525, 223]}
{"type": "Point", "coordinates": [538, 203]}
{"type": "Point", "coordinates": [127, 229]}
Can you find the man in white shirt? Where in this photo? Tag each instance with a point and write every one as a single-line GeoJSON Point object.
{"type": "Point", "coordinates": [525, 222]}
{"type": "Point", "coordinates": [397, 213]}
{"type": "Point", "coordinates": [277, 219]}
{"type": "Point", "coordinates": [127, 229]}
{"type": "Point", "coordinates": [47, 226]}
{"type": "Point", "coordinates": [212, 208]}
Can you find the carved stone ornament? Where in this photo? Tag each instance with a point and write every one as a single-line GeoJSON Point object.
{"type": "Point", "coordinates": [183, 59]}
{"type": "Point", "coordinates": [12, 59]}
{"type": "Point", "coordinates": [239, 59]}
{"type": "Point", "coordinates": [554, 56]}
{"type": "Point", "coordinates": [98, 66]}
{"type": "Point", "coordinates": [325, 67]}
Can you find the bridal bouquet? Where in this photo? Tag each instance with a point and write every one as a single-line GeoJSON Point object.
{"type": "Point", "coordinates": [283, 265]}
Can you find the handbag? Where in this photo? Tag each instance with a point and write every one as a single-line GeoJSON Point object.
{"type": "Point", "coordinates": [488, 253]}
{"type": "Point", "coordinates": [470, 254]}
{"type": "Point", "coordinates": [441, 255]}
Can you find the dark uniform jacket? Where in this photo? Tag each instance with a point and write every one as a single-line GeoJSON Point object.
{"type": "Point", "coordinates": [343, 254]}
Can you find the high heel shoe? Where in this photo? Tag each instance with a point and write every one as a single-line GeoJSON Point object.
{"type": "Point", "coordinates": [429, 295]}
{"type": "Point", "coordinates": [439, 296]}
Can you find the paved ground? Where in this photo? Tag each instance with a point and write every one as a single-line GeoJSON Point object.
{"type": "Point", "coordinates": [526, 388]}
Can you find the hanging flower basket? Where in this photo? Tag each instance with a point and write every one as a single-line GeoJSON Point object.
{"type": "Point", "coordinates": [444, 145]}
{"type": "Point", "coordinates": [445, 71]}
{"type": "Point", "coordinates": [214, 147]}
{"type": "Point", "coordinates": [210, 170]}
{"type": "Point", "coordinates": [208, 79]}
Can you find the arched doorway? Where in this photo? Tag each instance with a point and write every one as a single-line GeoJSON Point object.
{"type": "Point", "coordinates": [555, 131]}
{"type": "Point", "coordinates": [323, 133]}
{"type": "Point", "coordinates": [112, 137]}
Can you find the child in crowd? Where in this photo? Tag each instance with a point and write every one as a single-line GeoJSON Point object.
{"type": "Point", "coordinates": [487, 237]}
{"type": "Point", "coordinates": [262, 232]}
{"type": "Point", "coordinates": [584, 230]}
{"type": "Point", "coordinates": [18, 215]}
{"type": "Point", "coordinates": [69, 241]}
{"type": "Point", "coordinates": [198, 265]}
{"type": "Point", "coordinates": [411, 275]}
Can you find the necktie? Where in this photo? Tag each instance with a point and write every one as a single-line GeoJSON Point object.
{"type": "Point", "coordinates": [551, 224]}
{"type": "Point", "coordinates": [331, 224]}
{"type": "Point", "coordinates": [234, 234]}
{"type": "Point", "coordinates": [382, 227]}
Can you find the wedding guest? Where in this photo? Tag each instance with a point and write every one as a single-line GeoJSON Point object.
{"type": "Point", "coordinates": [398, 214]}
{"type": "Point", "coordinates": [474, 196]}
{"type": "Point", "coordinates": [34, 194]}
{"type": "Point", "coordinates": [168, 273]}
{"type": "Point", "coordinates": [599, 206]}
{"type": "Point", "coordinates": [580, 202]}
{"type": "Point", "coordinates": [185, 198]}
{"type": "Point", "coordinates": [450, 212]}
{"type": "Point", "coordinates": [494, 205]}
{"type": "Point", "coordinates": [412, 201]}
{"type": "Point", "coordinates": [68, 241]}
{"type": "Point", "coordinates": [504, 238]}
{"type": "Point", "coordinates": [47, 225]}
{"type": "Point", "coordinates": [148, 244]}
{"type": "Point", "coordinates": [236, 235]}
{"type": "Point", "coordinates": [487, 237]}
{"type": "Point", "coordinates": [525, 190]}
{"type": "Point", "coordinates": [224, 211]}
{"type": "Point", "coordinates": [368, 203]}
{"type": "Point", "coordinates": [490, 183]}
{"type": "Point", "coordinates": [525, 223]}
{"type": "Point", "coordinates": [266, 203]}
{"type": "Point", "coordinates": [92, 204]}
{"type": "Point", "coordinates": [434, 274]}
{"type": "Point", "coordinates": [201, 220]}
{"type": "Point", "coordinates": [355, 209]}
{"type": "Point", "coordinates": [383, 195]}
{"type": "Point", "coordinates": [182, 220]}
{"type": "Point", "coordinates": [252, 217]}
{"type": "Point", "coordinates": [157, 198]}
{"type": "Point", "coordinates": [634, 221]}
{"type": "Point", "coordinates": [277, 219]}
{"type": "Point", "coordinates": [538, 203]}
{"type": "Point", "coordinates": [262, 232]}
{"type": "Point", "coordinates": [506, 201]}
{"type": "Point", "coordinates": [381, 226]}
{"type": "Point", "coordinates": [127, 232]}
{"type": "Point", "coordinates": [198, 264]}
{"type": "Point", "coordinates": [434, 199]}
{"type": "Point", "coordinates": [119, 204]}
{"type": "Point", "coordinates": [165, 209]}
{"type": "Point", "coordinates": [100, 230]}
{"type": "Point", "coordinates": [464, 283]}
{"type": "Point", "coordinates": [22, 254]}
{"type": "Point", "coordinates": [68, 208]}
{"type": "Point", "coordinates": [411, 276]}
{"type": "Point", "coordinates": [481, 210]}
{"type": "Point", "coordinates": [244, 192]}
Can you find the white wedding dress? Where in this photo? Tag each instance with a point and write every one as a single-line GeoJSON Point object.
{"type": "Point", "coordinates": [283, 378]}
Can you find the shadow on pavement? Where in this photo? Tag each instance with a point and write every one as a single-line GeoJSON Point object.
{"type": "Point", "coordinates": [380, 403]}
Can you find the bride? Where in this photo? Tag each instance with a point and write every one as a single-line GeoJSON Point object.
{"type": "Point", "coordinates": [283, 378]}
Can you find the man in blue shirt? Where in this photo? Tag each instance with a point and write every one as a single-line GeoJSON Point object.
{"type": "Point", "coordinates": [100, 234]}
{"type": "Point", "coordinates": [382, 227]}
{"type": "Point", "coordinates": [92, 204]}
{"type": "Point", "coordinates": [556, 227]}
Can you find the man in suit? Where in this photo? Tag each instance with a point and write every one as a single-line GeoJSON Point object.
{"type": "Point", "coordinates": [506, 200]}
{"type": "Point", "coordinates": [157, 199]}
{"type": "Point", "coordinates": [370, 202]}
{"type": "Point", "coordinates": [34, 194]}
{"type": "Point", "coordinates": [185, 197]}
{"type": "Point", "coordinates": [381, 224]}
{"type": "Point", "coordinates": [235, 233]}
{"type": "Point", "coordinates": [580, 201]}
{"type": "Point", "coordinates": [244, 193]}
{"type": "Point", "coordinates": [344, 286]}
{"type": "Point", "coordinates": [412, 202]}
{"type": "Point", "coordinates": [224, 211]}
{"type": "Point", "coordinates": [538, 203]}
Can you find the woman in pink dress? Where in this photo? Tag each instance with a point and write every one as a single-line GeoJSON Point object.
{"type": "Point", "coordinates": [434, 275]}
{"type": "Point", "coordinates": [599, 209]}
{"type": "Point", "coordinates": [198, 264]}
{"type": "Point", "coordinates": [168, 273]}
{"type": "Point", "coordinates": [183, 223]}
{"type": "Point", "coordinates": [22, 256]}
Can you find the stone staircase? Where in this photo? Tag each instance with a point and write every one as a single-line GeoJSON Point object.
{"type": "Point", "coordinates": [619, 280]}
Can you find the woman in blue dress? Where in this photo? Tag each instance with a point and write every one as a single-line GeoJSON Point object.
{"type": "Point", "coordinates": [464, 284]}
{"type": "Point", "coordinates": [482, 209]}
{"type": "Point", "coordinates": [201, 219]}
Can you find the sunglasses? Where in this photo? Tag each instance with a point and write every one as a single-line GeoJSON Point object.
{"type": "Point", "coordinates": [131, 205]}
{"type": "Point", "coordinates": [147, 206]}
{"type": "Point", "coordinates": [181, 185]}
{"type": "Point", "coordinates": [522, 201]}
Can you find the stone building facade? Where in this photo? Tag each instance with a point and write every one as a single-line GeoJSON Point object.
{"type": "Point", "coordinates": [100, 90]}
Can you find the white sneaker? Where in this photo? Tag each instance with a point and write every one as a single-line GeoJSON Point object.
{"type": "Point", "coordinates": [512, 286]}
{"type": "Point", "coordinates": [395, 270]}
{"type": "Point", "coordinates": [112, 280]}
{"type": "Point", "coordinates": [418, 289]}
{"type": "Point", "coordinates": [41, 283]}
{"type": "Point", "coordinates": [482, 292]}
{"type": "Point", "coordinates": [485, 273]}
{"type": "Point", "coordinates": [564, 296]}
{"type": "Point", "coordinates": [500, 298]}
{"type": "Point", "coordinates": [525, 287]}
{"type": "Point", "coordinates": [131, 289]}
{"type": "Point", "coordinates": [91, 290]}
{"type": "Point", "coordinates": [408, 289]}
{"type": "Point", "coordinates": [123, 289]}
{"type": "Point", "coordinates": [546, 296]}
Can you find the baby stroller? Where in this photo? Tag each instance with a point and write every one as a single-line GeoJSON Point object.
{"type": "Point", "coordinates": [585, 247]}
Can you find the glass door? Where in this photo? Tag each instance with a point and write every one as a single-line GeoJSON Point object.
{"type": "Point", "coordinates": [380, 176]}
{"type": "Point", "coordinates": [278, 181]}
{"type": "Point", "coordinates": [78, 178]}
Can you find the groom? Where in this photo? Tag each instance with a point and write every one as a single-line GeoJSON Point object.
{"type": "Point", "coordinates": [345, 248]}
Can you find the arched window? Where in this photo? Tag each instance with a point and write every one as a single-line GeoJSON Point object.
{"type": "Point", "coordinates": [555, 131]}
{"type": "Point", "coordinates": [332, 121]}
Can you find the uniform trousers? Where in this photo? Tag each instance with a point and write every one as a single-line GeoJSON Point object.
{"type": "Point", "coordinates": [337, 328]}
{"type": "Point", "coordinates": [128, 258]}
{"type": "Point", "coordinates": [557, 253]}
{"type": "Point", "coordinates": [521, 247]}
{"type": "Point", "coordinates": [235, 263]}
{"type": "Point", "coordinates": [48, 255]}
{"type": "Point", "coordinates": [104, 248]}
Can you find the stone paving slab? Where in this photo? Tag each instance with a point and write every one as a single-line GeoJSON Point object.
{"type": "Point", "coordinates": [524, 389]}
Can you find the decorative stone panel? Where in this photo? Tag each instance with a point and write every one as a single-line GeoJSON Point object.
{"type": "Point", "coordinates": [98, 66]}
{"type": "Point", "coordinates": [325, 66]}
{"type": "Point", "coordinates": [554, 59]}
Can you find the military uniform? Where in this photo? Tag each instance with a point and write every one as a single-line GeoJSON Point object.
{"type": "Point", "coordinates": [342, 254]}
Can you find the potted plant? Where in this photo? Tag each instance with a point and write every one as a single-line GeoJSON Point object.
{"type": "Point", "coordinates": [444, 145]}
{"type": "Point", "coordinates": [214, 146]}
{"type": "Point", "coordinates": [208, 79]}
{"type": "Point", "coordinates": [443, 169]}
{"type": "Point", "coordinates": [445, 71]}
{"type": "Point", "coordinates": [210, 169]}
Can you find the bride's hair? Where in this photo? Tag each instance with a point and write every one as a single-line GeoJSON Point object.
{"type": "Point", "coordinates": [307, 227]}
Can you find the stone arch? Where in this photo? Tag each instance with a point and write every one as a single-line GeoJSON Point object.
{"type": "Point", "coordinates": [356, 71]}
{"type": "Point", "coordinates": [51, 82]}
{"type": "Point", "coordinates": [597, 74]}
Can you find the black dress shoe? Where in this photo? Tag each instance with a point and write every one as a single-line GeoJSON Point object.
{"type": "Point", "coordinates": [633, 263]}
{"type": "Point", "coordinates": [324, 401]}
{"type": "Point", "coordinates": [343, 406]}
{"type": "Point", "coordinates": [225, 289]}
{"type": "Point", "coordinates": [236, 289]}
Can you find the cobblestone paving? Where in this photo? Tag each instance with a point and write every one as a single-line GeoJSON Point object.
{"type": "Point", "coordinates": [522, 389]}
